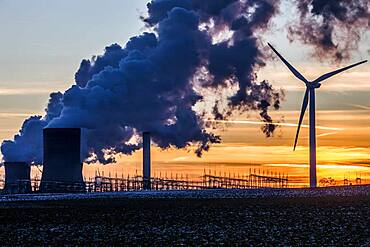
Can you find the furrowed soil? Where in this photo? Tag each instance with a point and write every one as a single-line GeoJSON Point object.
{"type": "Point", "coordinates": [329, 221]}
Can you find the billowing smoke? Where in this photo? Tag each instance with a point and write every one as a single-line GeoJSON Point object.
{"type": "Point", "coordinates": [333, 27]}
{"type": "Point", "coordinates": [195, 52]}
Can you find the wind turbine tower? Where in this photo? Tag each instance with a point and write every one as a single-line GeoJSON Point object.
{"type": "Point", "coordinates": [309, 97]}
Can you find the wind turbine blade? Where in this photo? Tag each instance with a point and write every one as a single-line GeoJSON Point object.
{"type": "Point", "coordinates": [303, 110]}
{"type": "Point", "coordinates": [290, 67]}
{"type": "Point", "coordinates": [330, 74]}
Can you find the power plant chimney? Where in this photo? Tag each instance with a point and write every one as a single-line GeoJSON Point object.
{"type": "Point", "coordinates": [146, 161]}
{"type": "Point", "coordinates": [62, 169]}
{"type": "Point", "coordinates": [17, 177]}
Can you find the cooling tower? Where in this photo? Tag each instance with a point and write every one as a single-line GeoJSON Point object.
{"type": "Point", "coordinates": [146, 161]}
{"type": "Point", "coordinates": [17, 177]}
{"type": "Point", "coordinates": [62, 168]}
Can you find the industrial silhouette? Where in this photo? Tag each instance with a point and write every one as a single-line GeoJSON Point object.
{"type": "Point", "coordinates": [62, 172]}
{"type": "Point", "coordinates": [17, 178]}
{"type": "Point", "coordinates": [62, 162]}
{"type": "Point", "coordinates": [309, 97]}
{"type": "Point", "coordinates": [146, 161]}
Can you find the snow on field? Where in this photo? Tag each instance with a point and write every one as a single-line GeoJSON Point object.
{"type": "Point", "coordinates": [210, 193]}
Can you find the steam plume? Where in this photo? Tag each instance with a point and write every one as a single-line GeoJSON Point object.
{"type": "Point", "coordinates": [332, 27]}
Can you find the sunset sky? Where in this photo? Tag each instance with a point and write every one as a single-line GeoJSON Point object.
{"type": "Point", "coordinates": [43, 42]}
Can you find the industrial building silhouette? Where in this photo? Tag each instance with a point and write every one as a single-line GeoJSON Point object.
{"type": "Point", "coordinates": [62, 172]}
{"type": "Point", "coordinates": [18, 178]}
{"type": "Point", "coordinates": [62, 168]}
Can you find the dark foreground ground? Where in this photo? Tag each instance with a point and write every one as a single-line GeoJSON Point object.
{"type": "Point", "coordinates": [319, 221]}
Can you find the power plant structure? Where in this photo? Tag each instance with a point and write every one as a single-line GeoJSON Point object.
{"type": "Point", "coordinates": [17, 177]}
{"type": "Point", "coordinates": [146, 161]}
{"type": "Point", "coordinates": [62, 172]}
{"type": "Point", "coordinates": [62, 167]}
{"type": "Point", "coordinates": [255, 179]}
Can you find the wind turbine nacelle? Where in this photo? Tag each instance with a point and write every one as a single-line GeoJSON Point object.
{"type": "Point", "coordinates": [314, 85]}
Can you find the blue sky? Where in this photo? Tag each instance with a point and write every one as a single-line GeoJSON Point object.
{"type": "Point", "coordinates": [43, 41]}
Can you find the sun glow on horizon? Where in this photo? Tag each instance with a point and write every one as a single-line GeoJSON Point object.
{"type": "Point", "coordinates": [342, 153]}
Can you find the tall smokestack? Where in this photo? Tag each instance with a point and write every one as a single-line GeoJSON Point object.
{"type": "Point", "coordinates": [17, 177]}
{"type": "Point", "coordinates": [62, 170]}
{"type": "Point", "coordinates": [146, 160]}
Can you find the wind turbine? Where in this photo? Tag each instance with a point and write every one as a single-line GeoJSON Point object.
{"type": "Point", "coordinates": [309, 97]}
